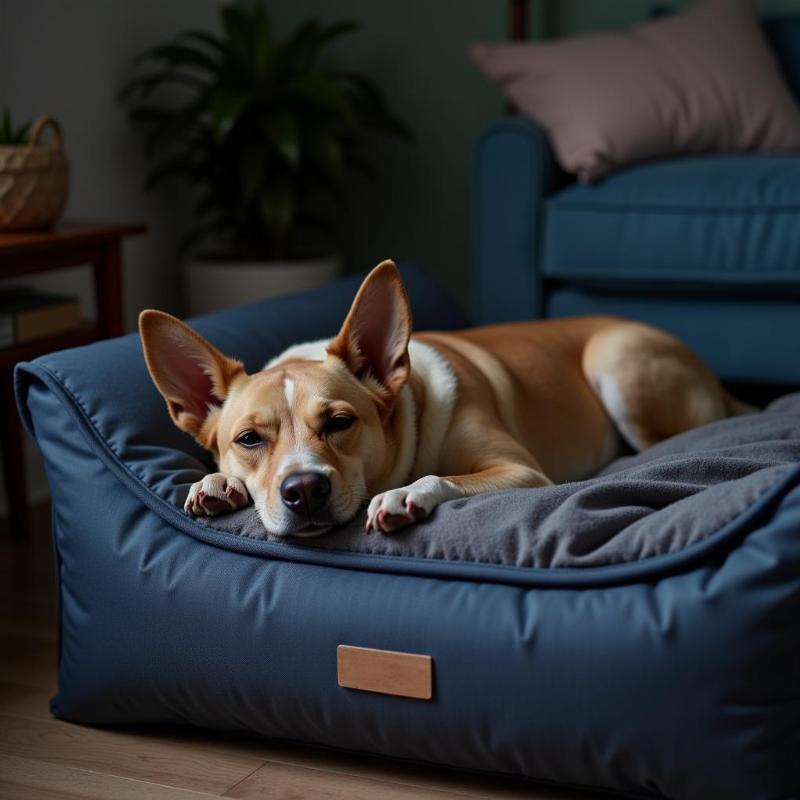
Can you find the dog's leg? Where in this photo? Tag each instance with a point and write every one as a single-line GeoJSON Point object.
{"type": "Point", "coordinates": [392, 510]}
{"type": "Point", "coordinates": [215, 494]}
{"type": "Point", "coordinates": [652, 385]}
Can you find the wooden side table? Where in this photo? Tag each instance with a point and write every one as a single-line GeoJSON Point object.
{"type": "Point", "coordinates": [27, 253]}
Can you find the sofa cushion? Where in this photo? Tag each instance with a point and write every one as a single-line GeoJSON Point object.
{"type": "Point", "coordinates": [702, 80]}
{"type": "Point", "coordinates": [720, 219]}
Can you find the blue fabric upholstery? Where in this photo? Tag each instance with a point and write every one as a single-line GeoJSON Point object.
{"type": "Point", "coordinates": [515, 169]}
{"type": "Point", "coordinates": [707, 247]}
{"type": "Point", "coordinates": [729, 219]}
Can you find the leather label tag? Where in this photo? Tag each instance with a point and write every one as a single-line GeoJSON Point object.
{"type": "Point", "coordinates": [385, 671]}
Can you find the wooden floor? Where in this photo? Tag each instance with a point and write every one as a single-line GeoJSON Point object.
{"type": "Point", "coordinates": [41, 757]}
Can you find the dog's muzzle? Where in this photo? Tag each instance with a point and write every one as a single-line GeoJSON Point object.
{"type": "Point", "coordinates": [305, 493]}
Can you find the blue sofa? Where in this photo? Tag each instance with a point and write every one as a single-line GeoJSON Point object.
{"type": "Point", "coordinates": [707, 247]}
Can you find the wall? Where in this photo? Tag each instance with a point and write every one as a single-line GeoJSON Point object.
{"type": "Point", "coordinates": [566, 17]}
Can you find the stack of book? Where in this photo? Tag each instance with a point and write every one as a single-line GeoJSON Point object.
{"type": "Point", "coordinates": [27, 315]}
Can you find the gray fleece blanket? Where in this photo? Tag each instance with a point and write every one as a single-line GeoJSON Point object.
{"type": "Point", "coordinates": [660, 501]}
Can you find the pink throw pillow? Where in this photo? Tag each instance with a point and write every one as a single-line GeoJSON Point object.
{"type": "Point", "coordinates": [703, 80]}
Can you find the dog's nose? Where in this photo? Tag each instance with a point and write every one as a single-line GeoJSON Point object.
{"type": "Point", "coordinates": [305, 492]}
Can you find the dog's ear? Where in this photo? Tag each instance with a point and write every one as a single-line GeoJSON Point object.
{"type": "Point", "coordinates": [192, 375]}
{"type": "Point", "coordinates": [373, 341]}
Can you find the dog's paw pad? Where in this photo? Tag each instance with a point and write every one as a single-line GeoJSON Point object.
{"type": "Point", "coordinates": [389, 523]}
{"type": "Point", "coordinates": [234, 495]}
{"type": "Point", "coordinates": [215, 494]}
{"type": "Point", "coordinates": [388, 512]}
{"type": "Point", "coordinates": [396, 508]}
{"type": "Point", "coordinates": [213, 505]}
{"type": "Point", "coordinates": [417, 512]}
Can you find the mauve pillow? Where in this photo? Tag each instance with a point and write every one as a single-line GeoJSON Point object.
{"type": "Point", "coordinates": [703, 80]}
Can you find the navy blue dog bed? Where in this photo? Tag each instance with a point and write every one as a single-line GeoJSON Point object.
{"type": "Point", "coordinates": [637, 633]}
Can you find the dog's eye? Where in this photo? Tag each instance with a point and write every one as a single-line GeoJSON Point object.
{"type": "Point", "coordinates": [339, 423]}
{"type": "Point", "coordinates": [249, 439]}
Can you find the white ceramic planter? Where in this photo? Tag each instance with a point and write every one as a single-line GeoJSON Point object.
{"type": "Point", "coordinates": [212, 285]}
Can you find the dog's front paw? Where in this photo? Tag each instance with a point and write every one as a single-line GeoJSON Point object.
{"type": "Point", "coordinates": [215, 494]}
{"type": "Point", "coordinates": [392, 510]}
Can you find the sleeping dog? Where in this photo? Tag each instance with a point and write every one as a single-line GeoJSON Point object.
{"type": "Point", "coordinates": [404, 422]}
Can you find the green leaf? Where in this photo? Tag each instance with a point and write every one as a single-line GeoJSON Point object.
{"type": "Point", "coordinates": [335, 31]}
{"type": "Point", "coordinates": [249, 48]}
{"type": "Point", "coordinates": [236, 24]}
{"type": "Point", "coordinates": [261, 42]}
{"type": "Point", "coordinates": [283, 133]}
{"type": "Point", "coordinates": [325, 148]}
{"type": "Point", "coordinates": [370, 107]}
{"type": "Point", "coordinates": [278, 210]}
{"type": "Point", "coordinates": [204, 38]}
{"type": "Point", "coordinates": [166, 125]}
{"type": "Point", "coordinates": [300, 51]}
{"type": "Point", "coordinates": [320, 90]}
{"type": "Point", "coordinates": [226, 107]}
{"type": "Point", "coordinates": [9, 135]}
{"type": "Point", "coordinates": [252, 169]}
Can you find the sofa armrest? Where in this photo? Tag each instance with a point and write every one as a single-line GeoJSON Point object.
{"type": "Point", "coordinates": [514, 170]}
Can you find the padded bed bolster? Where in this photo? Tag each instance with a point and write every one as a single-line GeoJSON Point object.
{"type": "Point", "coordinates": [110, 383]}
{"type": "Point", "coordinates": [674, 676]}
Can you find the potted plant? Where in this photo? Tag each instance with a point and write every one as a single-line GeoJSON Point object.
{"type": "Point", "coordinates": [266, 134]}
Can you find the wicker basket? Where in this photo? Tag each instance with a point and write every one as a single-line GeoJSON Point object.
{"type": "Point", "coordinates": [33, 180]}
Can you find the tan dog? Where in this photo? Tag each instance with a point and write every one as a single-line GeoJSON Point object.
{"type": "Point", "coordinates": [408, 423]}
